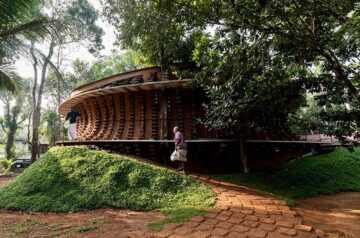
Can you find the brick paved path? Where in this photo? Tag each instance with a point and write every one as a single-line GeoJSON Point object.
{"type": "Point", "coordinates": [242, 212]}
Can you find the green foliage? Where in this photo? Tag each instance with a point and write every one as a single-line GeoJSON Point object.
{"type": "Point", "coordinates": [13, 230]}
{"type": "Point", "coordinates": [50, 119]}
{"type": "Point", "coordinates": [307, 118]}
{"type": "Point", "coordinates": [254, 57]}
{"type": "Point", "coordinates": [306, 177]}
{"type": "Point", "coordinates": [5, 166]}
{"type": "Point", "coordinates": [91, 225]}
{"type": "Point", "coordinates": [76, 178]}
{"type": "Point", "coordinates": [19, 21]}
{"type": "Point", "coordinates": [15, 113]}
{"type": "Point", "coordinates": [117, 63]}
{"type": "Point", "coordinates": [80, 18]}
{"type": "Point", "coordinates": [148, 26]}
{"type": "Point", "coordinates": [177, 215]}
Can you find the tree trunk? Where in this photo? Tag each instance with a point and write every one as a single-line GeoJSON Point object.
{"type": "Point", "coordinates": [243, 156]}
{"type": "Point", "coordinates": [37, 111]}
{"type": "Point", "coordinates": [11, 126]}
{"type": "Point", "coordinates": [29, 130]}
{"type": "Point", "coordinates": [340, 73]}
{"type": "Point", "coordinates": [10, 140]}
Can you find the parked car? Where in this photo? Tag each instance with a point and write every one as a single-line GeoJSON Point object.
{"type": "Point", "coordinates": [20, 164]}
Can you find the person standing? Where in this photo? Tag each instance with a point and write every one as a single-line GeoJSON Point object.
{"type": "Point", "coordinates": [72, 116]}
{"type": "Point", "coordinates": [180, 151]}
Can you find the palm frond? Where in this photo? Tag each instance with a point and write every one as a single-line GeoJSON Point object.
{"type": "Point", "coordinates": [37, 28]}
{"type": "Point", "coordinates": [13, 39]}
{"type": "Point", "coordinates": [6, 81]}
{"type": "Point", "coordinates": [15, 11]}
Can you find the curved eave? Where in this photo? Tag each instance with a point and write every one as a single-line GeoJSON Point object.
{"type": "Point", "coordinates": [65, 106]}
{"type": "Point", "coordinates": [98, 83]}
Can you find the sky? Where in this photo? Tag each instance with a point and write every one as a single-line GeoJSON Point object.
{"type": "Point", "coordinates": [24, 67]}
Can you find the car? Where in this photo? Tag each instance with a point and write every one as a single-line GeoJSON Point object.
{"type": "Point", "coordinates": [20, 164]}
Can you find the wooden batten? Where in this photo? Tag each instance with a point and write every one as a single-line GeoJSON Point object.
{"type": "Point", "coordinates": [137, 105]}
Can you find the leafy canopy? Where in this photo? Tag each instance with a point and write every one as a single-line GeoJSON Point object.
{"type": "Point", "coordinates": [253, 56]}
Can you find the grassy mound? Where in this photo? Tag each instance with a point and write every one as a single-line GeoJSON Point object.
{"type": "Point", "coordinates": [322, 174]}
{"type": "Point", "coordinates": [76, 178]}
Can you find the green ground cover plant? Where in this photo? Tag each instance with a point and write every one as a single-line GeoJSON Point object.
{"type": "Point", "coordinates": [14, 230]}
{"type": "Point", "coordinates": [77, 178]}
{"type": "Point", "coordinates": [306, 177]}
{"type": "Point", "coordinates": [91, 225]}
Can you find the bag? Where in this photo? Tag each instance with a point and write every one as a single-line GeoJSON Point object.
{"type": "Point", "coordinates": [179, 155]}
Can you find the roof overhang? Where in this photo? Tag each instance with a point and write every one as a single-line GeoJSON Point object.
{"type": "Point", "coordinates": [65, 107]}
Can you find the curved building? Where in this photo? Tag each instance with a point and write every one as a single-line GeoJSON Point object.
{"type": "Point", "coordinates": [134, 113]}
{"type": "Point", "coordinates": [137, 105]}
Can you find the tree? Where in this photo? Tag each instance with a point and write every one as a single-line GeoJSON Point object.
{"type": "Point", "coordinates": [80, 18]}
{"type": "Point", "coordinates": [19, 22]}
{"type": "Point", "coordinates": [14, 116]}
{"type": "Point", "coordinates": [249, 50]}
{"type": "Point", "coordinates": [255, 58]}
{"type": "Point", "coordinates": [147, 26]}
{"type": "Point", "coordinates": [50, 120]}
{"type": "Point", "coordinates": [118, 63]}
{"type": "Point", "coordinates": [299, 34]}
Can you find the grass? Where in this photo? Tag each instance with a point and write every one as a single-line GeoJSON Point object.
{"type": "Point", "coordinates": [47, 230]}
{"type": "Point", "coordinates": [13, 230]}
{"type": "Point", "coordinates": [92, 225]}
{"type": "Point", "coordinates": [306, 177]}
{"type": "Point", "coordinates": [77, 178]}
{"type": "Point", "coordinates": [179, 215]}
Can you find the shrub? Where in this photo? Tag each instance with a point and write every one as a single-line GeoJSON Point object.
{"type": "Point", "coordinates": [77, 178]}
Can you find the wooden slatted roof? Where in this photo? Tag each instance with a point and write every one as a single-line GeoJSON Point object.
{"type": "Point", "coordinates": [77, 98]}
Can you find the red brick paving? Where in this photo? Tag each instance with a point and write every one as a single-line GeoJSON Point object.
{"type": "Point", "coordinates": [242, 212]}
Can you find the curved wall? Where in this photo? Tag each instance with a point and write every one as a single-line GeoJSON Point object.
{"type": "Point", "coordinates": [138, 105]}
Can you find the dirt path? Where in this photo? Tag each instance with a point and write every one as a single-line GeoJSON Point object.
{"type": "Point", "coordinates": [104, 223]}
{"type": "Point", "coordinates": [337, 214]}
{"type": "Point", "coordinates": [5, 180]}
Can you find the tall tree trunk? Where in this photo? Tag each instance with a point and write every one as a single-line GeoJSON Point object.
{"type": "Point", "coordinates": [37, 111]}
{"type": "Point", "coordinates": [10, 132]}
{"type": "Point", "coordinates": [10, 140]}
{"type": "Point", "coordinates": [243, 156]}
{"type": "Point", "coordinates": [29, 130]}
{"type": "Point", "coordinates": [11, 125]}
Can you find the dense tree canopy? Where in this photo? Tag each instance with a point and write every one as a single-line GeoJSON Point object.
{"type": "Point", "coordinates": [152, 28]}
{"type": "Point", "coordinates": [255, 57]}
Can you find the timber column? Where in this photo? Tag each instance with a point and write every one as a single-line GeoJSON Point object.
{"type": "Point", "coordinates": [163, 123]}
{"type": "Point", "coordinates": [163, 102]}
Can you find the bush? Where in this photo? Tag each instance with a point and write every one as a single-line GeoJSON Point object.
{"type": "Point", "coordinates": [306, 177]}
{"type": "Point", "coordinates": [77, 178]}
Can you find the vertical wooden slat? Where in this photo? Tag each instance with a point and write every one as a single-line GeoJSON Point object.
{"type": "Point", "coordinates": [155, 118]}
{"type": "Point", "coordinates": [138, 105]}
{"type": "Point", "coordinates": [97, 118]}
{"type": "Point", "coordinates": [116, 104]}
{"type": "Point", "coordinates": [110, 116]}
{"type": "Point", "coordinates": [148, 114]}
{"type": "Point", "coordinates": [126, 116]}
{"type": "Point", "coordinates": [102, 121]}
{"type": "Point", "coordinates": [82, 121]}
{"type": "Point", "coordinates": [162, 112]}
{"type": "Point", "coordinates": [122, 117]}
{"type": "Point", "coordinates": [91, 116]}
{"type": "Point", "coordinates": [173, 110]}
{"type": "Point", "coordinates": [186, 107]}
